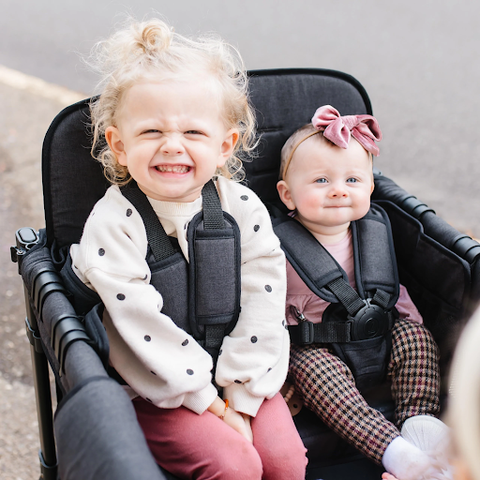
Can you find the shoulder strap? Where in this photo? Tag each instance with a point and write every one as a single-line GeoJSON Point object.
{"type": "Point", "coordinates": [374, 257]}
{"type": "Point", "coordinates": [315, 266]}
{"type": "Point", "coordinates": [375, 273]}
{"type": "Point", "coordinates": [214, 271]}
{"type": "Point", "coordinates": [157, 238]}
{"type": "Point", "coordinates": [213, 289]}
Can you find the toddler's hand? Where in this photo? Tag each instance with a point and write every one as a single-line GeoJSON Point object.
{"type": "Point", "coordinates": [239, 422]}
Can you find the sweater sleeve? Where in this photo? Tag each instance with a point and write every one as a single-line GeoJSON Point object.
{"type": "Point", "coordinates": [159, 361]}
{"type": "Point", "coordinates": [406, 308]}
{"type": "Point", "coordinates": [254, 359]}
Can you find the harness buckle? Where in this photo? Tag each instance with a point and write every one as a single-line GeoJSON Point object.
{"type": "Point", "coordinates": [307, 334]}
{"type": "Point", "coordinates": [369, 322]}
{"type": "Point", "coordinates": [304, 328]}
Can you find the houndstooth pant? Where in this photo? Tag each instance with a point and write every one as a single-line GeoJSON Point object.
{"type": "Point", "coordinates": [328, 388]}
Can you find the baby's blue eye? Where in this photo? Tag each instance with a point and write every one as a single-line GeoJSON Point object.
{"type": "Point", "coordinates": [194, 132]}
{"type": "Point", "coordinates": [352, 180]}
{"type": "Point", "coordinates": [321, 180]}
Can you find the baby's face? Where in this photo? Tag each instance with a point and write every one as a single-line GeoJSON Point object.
{"type": "Point", "coordinates": [328, 186]}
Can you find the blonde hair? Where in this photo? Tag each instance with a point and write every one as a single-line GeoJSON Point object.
{"type": "Point", "coordinates": [463, 413]}
{"type": "Point", "coordinates": [151, 49]}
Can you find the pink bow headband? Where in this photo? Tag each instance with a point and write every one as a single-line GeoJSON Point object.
{"type": "Point", "coordinates": [338, 129]}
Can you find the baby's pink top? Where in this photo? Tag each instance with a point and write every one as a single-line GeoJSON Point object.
{"type": "Point", "coordinates": [312, 306]}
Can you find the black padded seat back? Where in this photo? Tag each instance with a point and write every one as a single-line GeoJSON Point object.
{"type": "Point", "coordinates": [283, 99]}
{"type": "Point", "coordinates": [72, 180]}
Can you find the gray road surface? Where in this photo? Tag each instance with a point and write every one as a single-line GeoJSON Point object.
{"type": "Point", "coordinates": [417, 59]}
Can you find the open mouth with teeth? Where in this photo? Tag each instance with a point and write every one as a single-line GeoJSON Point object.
{"type": "Point", "coordinates": [173, 168]}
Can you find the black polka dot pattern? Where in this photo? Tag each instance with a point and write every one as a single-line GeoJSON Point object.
{"type": "Point", "coordinates": [185, 342]}
{"type": "Point", "coordinates": [147, 338]}
{"type": "Point", "coordinates": [101, 252]}
{"type": "Point", "coordinates": [268, 288]}
{"type": "Point", "coordinates": [129, 212]}
{"type": "Point", "coordinates": [254, 339]}
{"type": "Point", "coordinates": [121, 296]}
{"type": "Point", "coordinates": [189, 371]}
{"type": "Point", "coordinates": [238, 381]}
{"type": "Point", "coordinates": [244, 198]}
{"type": "Point", "coordinates": [256, 228]}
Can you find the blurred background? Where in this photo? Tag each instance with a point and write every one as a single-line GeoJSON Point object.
{"type": "Point", "coordinates": [417, 59]}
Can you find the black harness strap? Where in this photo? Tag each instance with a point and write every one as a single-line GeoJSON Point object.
{"type": "Point", "coordinates": [157, 237]}
{"type": "Point", "coordinates": [306, 333]}
{"type": "Point", "coordinates": [375, 272]}
{"type": "Point", "coordinates": [347, 296]}
{"type": "Point", "coordinates": [202, 297]}
{"type": "Point", "coordinates": [212, 208]}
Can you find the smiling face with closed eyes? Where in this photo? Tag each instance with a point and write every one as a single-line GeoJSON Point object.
{"type": "Point", "coordinates": [171, 136]}
{"type": "Point", "coordinates": [328, 186]}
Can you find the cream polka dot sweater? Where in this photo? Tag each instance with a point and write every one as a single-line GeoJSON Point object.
{"type": "Point", "coordinates": [160, 361]}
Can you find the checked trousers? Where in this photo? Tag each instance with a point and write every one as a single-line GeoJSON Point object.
{"type": "Point", "coordinates": [327, 387]}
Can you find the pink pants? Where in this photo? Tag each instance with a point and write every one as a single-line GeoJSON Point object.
{"type": "Point", "coordinates": [193, 446]}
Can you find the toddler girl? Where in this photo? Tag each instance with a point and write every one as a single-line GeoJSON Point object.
{"type": "Point", "coordinates": [326, 181]}
{"type": "Point", "coordinates": [173, 115]}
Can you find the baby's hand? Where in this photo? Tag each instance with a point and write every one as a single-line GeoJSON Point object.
{"type": "Point", "coordinates": [388, 476]}
{"type": "Point", "coordinates": [239, 422]}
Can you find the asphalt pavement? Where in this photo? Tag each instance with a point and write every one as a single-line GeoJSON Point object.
{"type": "Point", "coordinates": [418, 60]}
{"type": "Point", "coordinates": [28, 105]}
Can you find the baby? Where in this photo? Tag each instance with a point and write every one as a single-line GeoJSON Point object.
{"type": "Point", "coordinates": [326, 183]}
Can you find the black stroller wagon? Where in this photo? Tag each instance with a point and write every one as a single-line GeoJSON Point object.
{"type": "Point", "coordinates": [94, 433]}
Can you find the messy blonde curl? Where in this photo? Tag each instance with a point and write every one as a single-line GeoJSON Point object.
{"type": "Point", "coordinates": [151, 49]}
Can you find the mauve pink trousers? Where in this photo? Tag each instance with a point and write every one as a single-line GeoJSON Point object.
{"type": "Point", "coordinates": [192, 446]}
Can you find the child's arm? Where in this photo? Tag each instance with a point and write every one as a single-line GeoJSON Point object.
{"type": "Point", "coordinates": [254, 360]}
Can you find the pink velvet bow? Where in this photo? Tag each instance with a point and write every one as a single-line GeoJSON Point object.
{"type": "Point", "coordinates": [337, 129]}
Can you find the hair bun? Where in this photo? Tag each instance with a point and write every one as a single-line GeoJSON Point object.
{"type": "Point", "coordinates": [155, 38]}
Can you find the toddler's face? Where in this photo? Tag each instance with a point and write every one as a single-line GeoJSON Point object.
{"type": "Point", "coordinates": [171, 137]}
{"type": "Point", "coordinates": [328, 186]}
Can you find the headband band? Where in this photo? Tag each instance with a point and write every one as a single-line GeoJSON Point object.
{"type": "Point", "coordinates": [327, 120]}
{"type": "Point", "coordinates": [289, 159]}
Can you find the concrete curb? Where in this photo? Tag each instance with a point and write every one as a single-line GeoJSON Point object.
{"type": "Point", "coordinates": [21, 81]}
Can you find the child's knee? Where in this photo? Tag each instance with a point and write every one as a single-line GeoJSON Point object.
{"type": "Point", "coordinates": [241, 463]}
{"type": "Point", "coordinates": [285, 462]}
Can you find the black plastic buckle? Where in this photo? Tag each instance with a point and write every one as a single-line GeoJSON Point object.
{"type": "Point", "coordinates": [307, 334]}
{"type": "Point", "coordinates": [25, 239]}
{"type": "Point", "coordinates": [33, 337]}
{"type": "Point", "coordinates": [369, 322]}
